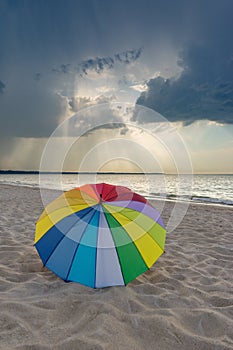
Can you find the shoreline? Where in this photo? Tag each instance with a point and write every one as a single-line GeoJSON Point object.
{"type": "Point", "coordinates": [175, 200]}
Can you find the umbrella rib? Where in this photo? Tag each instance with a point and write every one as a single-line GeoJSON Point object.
{"type": "Point", "coordinates": [137, 210]}
{"type": "Point", "coordinates": [59, 208]}
{"type": "Point", "coordinates": [96, 250]}
{"type": "Point", "coordinates": [91, 197]}
{"type": "Point", "coordinates": [65, 236]}
{"type": "Point", "coordinates": [146, 231]}
{"type": "Point", "coordinates": [77, 248]}
{"type": "Point", "coordinates": [66, 199]}
{"type": "Point", "coordinates": [127, 199]}
{"type": "Point", "coordinates": [110, 190]}
{"type": "Point", "coordinates": [115, 188]}
{"type": "Point", "coordinates": [134, 241]}
{"type": "Point", "coordinates": [144, 228]}
{"type": "Point", "coordinates": [114, 242]}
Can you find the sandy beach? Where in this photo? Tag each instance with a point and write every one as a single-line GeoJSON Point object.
{"type": "Point", "coordinates": [184, 302]}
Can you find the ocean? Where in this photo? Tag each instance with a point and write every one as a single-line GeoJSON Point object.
{"type": "Point", "coordinates": [215, 189]}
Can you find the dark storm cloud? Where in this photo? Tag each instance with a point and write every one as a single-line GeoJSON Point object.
{"type": "Point", "coordinates": [2, 87]}
{"type": "Point", "coordinates": [32, 113]}
{"type": "Point", "coordinates": [37, 76]}
{"type": "Point", "coordinates": [204, 89]}
{"type": "Point", "coordinates": [129, 56]}
{"type": "Point", "coordinates": [197, 94]}
{"type": "Point", "coordinates": [38, 35]}
{"type": "Point", "coordinates": [63, 68]}
{"type": "Point", "coordinates": [6, 147]}
{"type": "Point", "coordinates": [98, 64]}
{"type": "Point", "coordinates": [109, 126]}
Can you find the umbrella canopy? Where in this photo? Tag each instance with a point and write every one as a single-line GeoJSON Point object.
{"type": "Point", "coordinates": [99, 235]}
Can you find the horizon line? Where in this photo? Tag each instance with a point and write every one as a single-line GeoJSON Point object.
{"type": "Point", "coordinates": [73, 172]}
{"type": "Point", "coordinates": [9, 171]}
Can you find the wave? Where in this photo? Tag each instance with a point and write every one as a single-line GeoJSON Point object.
{"type": "Point", "coordinates": [32, 183]}
{"type": "Point", "coordinates": [212, 200]}
{"type": "Point", "coordinates": [191, 198]}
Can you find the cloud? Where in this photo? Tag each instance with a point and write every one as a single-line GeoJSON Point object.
{"type": "Point", "coordinates": [139, 87]}
{"type": "Point", "coordinates": [6, 149]}
{"type": "Point", "coordinates": [193, 96]}
{"type": "Point", "coordinates": [33, 113]}
{"type": "Point", "coordinates": [21, 153]}
{"type": "Point", "coordinates": [106, 89]}
{"type": "Point", "coordinates": [204, 89]}
{"type": "Point", "coordinates": [63, 68]}
{"type": "Point", "coordinates": [129, 56]}
{"type": "Point", "coordinates": [104, 115]}
{"type": "Point", "coordinates": [99, 64]}
{"type": "Point", "coordinates": [77, 103]}
{"type": "Point", "coordinates": [116, 125]}
{"type": "Point", "coordinates": [37, 76]}
{"type": "Point", "coordinates": [124, 130]}
{"type": "Point", "coordinates": [2, 87]}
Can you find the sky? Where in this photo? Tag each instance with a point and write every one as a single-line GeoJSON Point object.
{"type": "Point", "coordinates": [60, 57]}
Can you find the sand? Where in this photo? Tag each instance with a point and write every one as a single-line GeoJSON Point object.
{"type": "Point", "coordinates": [184, 302]}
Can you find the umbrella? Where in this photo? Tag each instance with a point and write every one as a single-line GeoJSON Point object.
{"type": "Point", "coordinates": [99, 235]}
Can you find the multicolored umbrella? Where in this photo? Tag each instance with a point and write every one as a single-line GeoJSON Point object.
{"type": "Point", "coordinates": [99, 235]}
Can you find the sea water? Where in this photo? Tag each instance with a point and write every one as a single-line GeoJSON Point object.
{"type": "Point", "coordinates": [216, 189]}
